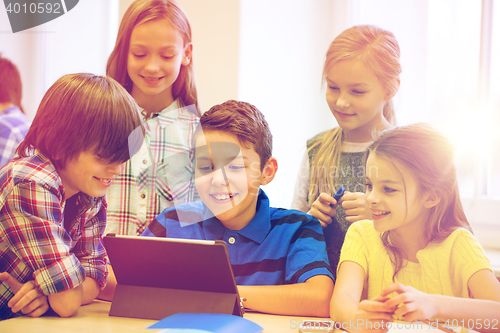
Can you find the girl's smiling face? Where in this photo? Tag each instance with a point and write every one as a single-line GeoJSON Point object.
{"type": "Point", "coordinates": [156, 54]}
{"type": "Point", "coordinates": [394, 195]}
{"type": "Point", "coordinates": [356, 98]}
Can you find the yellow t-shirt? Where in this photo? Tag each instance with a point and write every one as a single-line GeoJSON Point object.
{"type": "Point", "coordinates": [444, 268]}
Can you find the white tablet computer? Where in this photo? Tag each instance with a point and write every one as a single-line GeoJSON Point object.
{"type": "Point", "coordinates": [158, 277]}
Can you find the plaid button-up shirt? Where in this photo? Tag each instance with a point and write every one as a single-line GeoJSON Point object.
{"type": "Point", "coordinates": [159, 176]}
{"type": "Point", "coordinates": [36, 243]}
{"type": "Point", "coordinates": [13, 128]}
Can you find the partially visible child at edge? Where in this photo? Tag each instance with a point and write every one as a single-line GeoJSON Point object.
{"type": "Point", "coordinates": [278, 256]}
{"type": "Point", "coordinates": [362, 75]}
{"type": "Point", "coordinates": [152, 59]}
{"type": "Point", "coordinates": [53, 213]}
{"type": "Point", "coordinates": [417, 259]}
{"type": "Point", "coordinates": [13, 122]}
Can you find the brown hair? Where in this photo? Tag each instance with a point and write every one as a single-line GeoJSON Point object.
{"type": "Point", "coordinates": [244, 121]}
{"type": "Point", "coordinates": [379, 50]}
{"type": "Point", "coordinates": [429, 156]}
{"type": "Point", "coordinates": [141, 11]}
{"type": "Point", "coordinates": [11, 88]}
{"type": "Point", "coordinates": [85, 112]}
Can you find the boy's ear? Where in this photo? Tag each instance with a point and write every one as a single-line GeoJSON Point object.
{"type": "Point", "coordinates": [269, 171]}
{"type": "Point", "coordinates": [433, 198]}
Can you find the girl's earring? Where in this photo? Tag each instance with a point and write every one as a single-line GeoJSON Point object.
{"type": "Point", "coordinates": [185, 62]}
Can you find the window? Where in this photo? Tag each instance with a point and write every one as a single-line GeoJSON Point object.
{"type": "Point", "coordinates": [450, 53]}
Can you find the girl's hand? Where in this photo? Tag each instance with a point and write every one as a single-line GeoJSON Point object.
{"type": "Point", "coordinates": [410, 303]}
{"type": "Point", "coordinates": [373, 316]}
{"type": "Point", "coordinates": [323, 209]}
{"type": "Point", "coordinates": [355, 206]}
{"type": "Point", "coordinates": [28, 298]}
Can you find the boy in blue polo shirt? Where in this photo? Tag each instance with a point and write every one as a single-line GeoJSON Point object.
{"type": "Point", "coordinates": [278, 256]}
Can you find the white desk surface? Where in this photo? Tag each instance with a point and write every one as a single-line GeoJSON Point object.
{"type": "Point", "coordinates": [94, 318]}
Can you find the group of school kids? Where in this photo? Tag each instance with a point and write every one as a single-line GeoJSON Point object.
{"type": "Point", "coordinates": [131, 154]}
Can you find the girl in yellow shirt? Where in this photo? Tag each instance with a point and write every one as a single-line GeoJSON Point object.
{"type": "Point", "coordinates": [417, 258]}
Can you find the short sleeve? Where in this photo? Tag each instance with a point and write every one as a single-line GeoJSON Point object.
{"type": "Point", "coordinates": [182, 221]}
{"type": "Point", "coordinates": [354, 248]}
{"type": "Point", "coordinates": [307, 254]}
{"type": "Point", "coordinates": [157, 227]}
{"type": "Point", "coordinates": [467, 255]}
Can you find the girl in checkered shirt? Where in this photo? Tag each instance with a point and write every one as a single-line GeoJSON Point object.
{"type": "Point", "coordinates": [152, 59]}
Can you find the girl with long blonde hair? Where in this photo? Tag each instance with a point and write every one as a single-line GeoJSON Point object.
{"type": "Point", "coordinates": [361, 72]}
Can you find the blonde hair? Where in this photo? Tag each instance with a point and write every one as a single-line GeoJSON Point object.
{"type": "Point", "coordinates": [378, 49]}
{"type": "Point", "coordinates": [429, 157]}
{"type": "Point", "coordinates": [141, 11]}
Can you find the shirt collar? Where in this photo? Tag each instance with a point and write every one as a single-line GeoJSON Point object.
{"type": "Point", "coordinates": [87, 201]}
{"type": "Point", "coordinates": [166, 116]}
{"type": "Point", "coordinates": [173, 112]}
{"type": "Point", "coordinates": [256, 230]}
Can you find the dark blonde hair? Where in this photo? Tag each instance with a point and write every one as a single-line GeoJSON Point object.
{"type": "Point", "coordinates": [85, 112]}
{"type": "Point", "coordinates": [11, 88]}
{"type": "Point", "coordinates": [244, 121]}
{"type": "Point", "coordinates": [378, 49]}
{"type": "Point", "coordinates": [141, 11]}
{"type": "Point", "coordinates": [429, 157]}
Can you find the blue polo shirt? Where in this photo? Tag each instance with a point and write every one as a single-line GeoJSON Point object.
{"type": "Point", "coordinates": [279, 246]}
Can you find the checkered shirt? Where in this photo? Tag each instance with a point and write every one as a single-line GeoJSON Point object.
{"type": "Point", "coordinates": [35, 241]}
{"type": "Point", "coordinates": [13, 128]}
{"type": "Point", "coordinates": [159, 176]}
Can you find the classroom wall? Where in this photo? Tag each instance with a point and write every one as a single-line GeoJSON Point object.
{"type": "Point", "coordinates": [78, 41]}
{"type": "Point", "coordinates": [216, 30]}
{"type": "Point", "coordinates": [22, 49]}
{"type": "Point", "coordinates": [282, 49]}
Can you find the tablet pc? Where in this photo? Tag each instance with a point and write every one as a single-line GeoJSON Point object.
{"type": "Point", "coordinates": [157, 277]}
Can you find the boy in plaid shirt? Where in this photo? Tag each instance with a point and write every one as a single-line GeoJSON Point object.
{"type": "Point", "coordinates": [53, 212]}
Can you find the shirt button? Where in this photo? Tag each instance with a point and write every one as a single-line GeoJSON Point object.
{"type": "Point", "coordinates": [145, 161]}
{"type": "Point", "coordinates": [143, 196]}
{"type": "Point", "coordinates": [231, 240]}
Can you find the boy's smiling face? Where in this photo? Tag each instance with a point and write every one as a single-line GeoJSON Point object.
{"type": "Point", "coordinates": [89, 174]}
{"type": "Point", "coordinates": [228, 179]}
